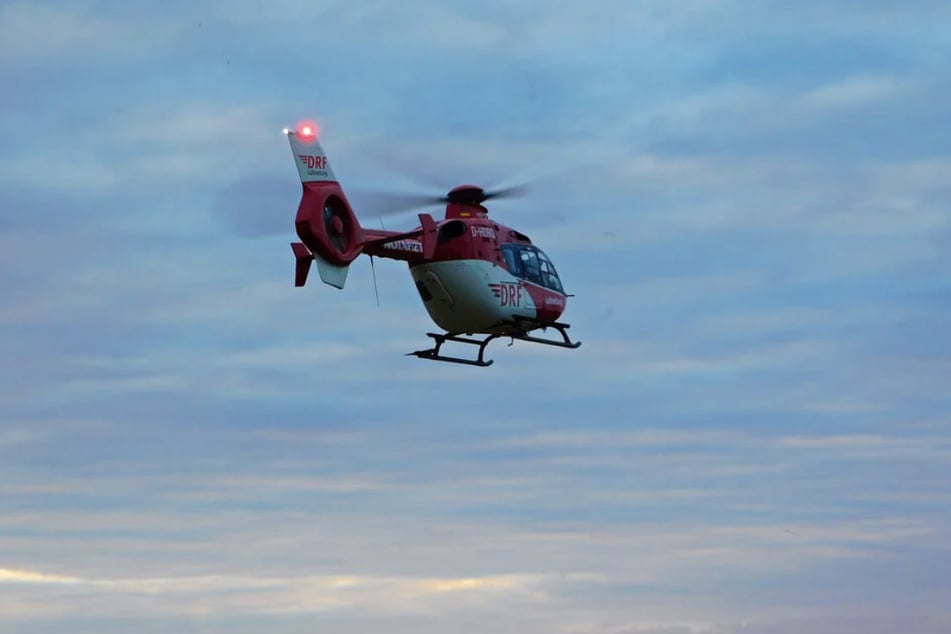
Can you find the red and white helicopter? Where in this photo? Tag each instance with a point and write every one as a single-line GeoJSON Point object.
{"type": "Point", "coordinates": [474, 275]}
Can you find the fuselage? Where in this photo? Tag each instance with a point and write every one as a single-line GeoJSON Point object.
{"type": "Point", "coordinates": [469, 296]}
{"type": "Point", "coordinates": [483, 277]}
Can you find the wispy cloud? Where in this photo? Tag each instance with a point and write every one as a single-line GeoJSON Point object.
{"type": "Point", "coordinates": [853, 91]}
{"type": "Point", "coordinates": [253, 594]}
{"type": "Point", "coordinates": [31, 577]}
{"type": "Point", "coordinates": [48, 33]}
{"type": "Point", "coordinates": [748, 202]}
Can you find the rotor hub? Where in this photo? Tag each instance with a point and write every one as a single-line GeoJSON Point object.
{"type": "Point", "coordinates": [466, 195]}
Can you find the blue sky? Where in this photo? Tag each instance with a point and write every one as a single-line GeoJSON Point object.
{"type": "Point", "coordinates": [749, 201]}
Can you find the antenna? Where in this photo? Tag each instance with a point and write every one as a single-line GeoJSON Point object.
{"type": "Point", "coordinates": [376, 291]}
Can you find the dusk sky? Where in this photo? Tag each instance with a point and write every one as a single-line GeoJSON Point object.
{"type": "Point", "coordinates": [748, 200]}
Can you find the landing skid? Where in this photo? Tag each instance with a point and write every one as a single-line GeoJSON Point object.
{"type": "Point", "coordinates": [520, 329]}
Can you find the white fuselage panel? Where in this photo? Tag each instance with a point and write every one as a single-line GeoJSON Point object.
{"type": "Point", "coordinates": [472, 296]}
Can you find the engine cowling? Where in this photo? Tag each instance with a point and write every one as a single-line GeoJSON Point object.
{"type": "Point", "coordinates": [327, 225]}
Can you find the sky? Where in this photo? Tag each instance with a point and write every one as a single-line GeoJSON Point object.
{"type": "Point", "coordinates": [747, 200]}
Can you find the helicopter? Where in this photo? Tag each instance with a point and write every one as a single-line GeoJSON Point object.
{"type": "Point", "coordinates": [478, 279]}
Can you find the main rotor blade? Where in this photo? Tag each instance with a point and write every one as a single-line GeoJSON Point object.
{"type": "Point", "coordinates": [392, 203]}
{"type": "Point", "coordinates": [513, 191]}
{"type": "Point", "coordinates": [383, 203]}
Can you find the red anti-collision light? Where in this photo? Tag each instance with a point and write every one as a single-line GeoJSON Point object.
{"type": "Point", "coordinates": [307, 130]}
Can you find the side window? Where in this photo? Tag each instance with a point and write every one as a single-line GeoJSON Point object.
{"type": "Point", "coordinates": [530, 266]}
{"type": "Point", "coordinates": [549, 277]}
{"type": "Point", "coordinates": [511, 260]}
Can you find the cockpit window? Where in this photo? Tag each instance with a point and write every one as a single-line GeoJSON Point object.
{"type": "Point", "coordinates": [530, 263]}
{"type": "Point", "coordinates": [512, 263]}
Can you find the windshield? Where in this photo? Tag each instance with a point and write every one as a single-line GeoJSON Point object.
{"type": "Point", "coordinates": [530, 263]}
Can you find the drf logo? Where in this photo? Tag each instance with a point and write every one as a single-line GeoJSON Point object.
{"type": "Point", "coordinates": [509, 293]}
{"type": "Point", "coordinates": [313, 162]}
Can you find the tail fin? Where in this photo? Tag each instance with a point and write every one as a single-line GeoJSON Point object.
{"type": "Point", "coordinates": [331, 274]}
{"type": "Point", "coordinates": [325, 222]}
{"type": "Point", "coordinates": [312, 163]}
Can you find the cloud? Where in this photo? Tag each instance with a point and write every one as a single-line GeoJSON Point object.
{"type": "Point", "coordinates": [271, 595]}
{"type": "Point", "coordinates": [851, 92]}
{"type": "Point", "coordinates": [35, 34]}
{"type": "Point", "coordinates": [31, 577]}
{"type": "Point", "coordinates": [148, 147]}
{"type": "Point", "coordinates": [17, 436]}
{"type": "Point", "coordinates": [619, 439]}
{"type": "Point", "coordinates": [838, 442]}
{"type": "Point", "coordinates": [749, 203]}
{"type": "Point", "coordinates": [19, 15]}
{"type": "Point", "coordinates": [858, 624]}
{"type": "Point", "coordinates": [259, 204]}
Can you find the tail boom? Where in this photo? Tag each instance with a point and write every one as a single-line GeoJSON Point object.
{"type": "Point", "coordinates": [330, 233]}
